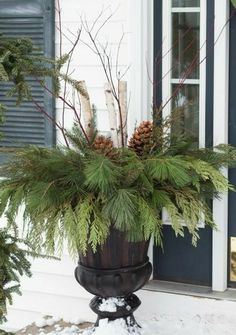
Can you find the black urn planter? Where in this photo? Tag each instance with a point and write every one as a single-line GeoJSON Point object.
{"type": "Point", "coordinates": [117, 269]}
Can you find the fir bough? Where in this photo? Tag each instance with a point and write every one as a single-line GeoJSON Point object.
{"type": "Point", "coordinates": [21, 60]}
{"type": "Point", "coordinates": [13, 265]}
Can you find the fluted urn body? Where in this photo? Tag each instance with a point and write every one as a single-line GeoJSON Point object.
{"type": "Point", "coordinates": [116, 270]}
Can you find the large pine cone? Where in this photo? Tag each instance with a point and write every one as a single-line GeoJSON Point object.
{"type": "Point", "coordinates": [103, 145]}
{"type": "Point", "coordinates": [142, 140]}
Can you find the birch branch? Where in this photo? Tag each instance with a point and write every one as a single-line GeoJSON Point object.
{"type": "Point", "coordinates": [122, 93]}
{"type": "Point", "coordinates": [86, 109]}
{"type": "Point", "coordinates": [112, 114]}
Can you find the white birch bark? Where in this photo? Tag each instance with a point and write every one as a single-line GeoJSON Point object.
{"type": "Point", "coordinates": [122, 93]}
{"type": "Point", "coordinates": [86, 109]}
{"type": "Point", "coordinates": [112, 114]}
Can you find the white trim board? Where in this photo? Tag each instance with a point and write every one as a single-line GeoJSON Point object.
{"type": "Point", "coordinates": [220, 135]}
{"type": "Point", "coordinates": [141, 61]}
{"type": "Point", "coordinates": [141, 71]}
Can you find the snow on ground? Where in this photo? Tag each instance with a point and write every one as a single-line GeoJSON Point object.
{"type": "Point", "coordinates": [166, 324]}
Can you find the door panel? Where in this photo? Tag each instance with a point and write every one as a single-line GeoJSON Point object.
{"type": "Point", "coordinates": [180, 261]}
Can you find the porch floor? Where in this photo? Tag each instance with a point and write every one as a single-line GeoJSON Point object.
{"type": "Point", "coordinates": [190, 290]}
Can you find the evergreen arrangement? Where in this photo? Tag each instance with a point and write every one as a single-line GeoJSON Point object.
{"type": "Point", "coordinates": [76, 194]}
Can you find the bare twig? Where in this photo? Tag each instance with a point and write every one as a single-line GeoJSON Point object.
{"type": "Point", "coordinates": [117, 56]}
{"type": "Point", "coordinates": [102, 25]}
{"type": "Point", "coordinates": [51, 119]}
{"type": "Point", "coordinates": [105, 60]}
{"type": "Point", "coordinates": [71, 52]}
{"type": "Point", "coordinates": [98, 17]}
{"type": "Point", "coordinates": [78, 119]}
{"type": "Point", "coordinates": [122, 75]}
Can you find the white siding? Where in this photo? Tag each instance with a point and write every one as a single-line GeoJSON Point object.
{"type": "Point", "coordinates": [53, 289]}
{"type": "Point", "coordinates": [86, 64]}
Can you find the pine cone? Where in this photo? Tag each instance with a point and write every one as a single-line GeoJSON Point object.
{"type": "Point", "coordinates": [142, 140]}
{"type": "Point", "coordinates": [103, 145]}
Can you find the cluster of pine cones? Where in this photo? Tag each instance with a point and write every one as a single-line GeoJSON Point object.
{"type": "Point", "coordinates": [141, 141]}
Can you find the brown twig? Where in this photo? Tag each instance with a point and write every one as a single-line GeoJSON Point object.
{"type": "Point", "coordinates": [71, 52]}
{"type": "Point", "coordinates": [51, 119]}
{"type": "Point", "coordinates": [117, 56]}
{"type": "Point", "coordinates": [68, 105]}
{"type": "Point", "coordinates": [105, 60]}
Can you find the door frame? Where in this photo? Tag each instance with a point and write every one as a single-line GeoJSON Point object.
{"type": "Point", "coordinates": [141, 13]}
{"type": "Point", "coordinates": [220, 135]}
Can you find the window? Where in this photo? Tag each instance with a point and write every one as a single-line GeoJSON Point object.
{"type": "Point", "coordinates": [24, 124]}
{"type": "Point", "coordinates": [183, 71]}
{"type": "Point", "coordinates": [184, 39]}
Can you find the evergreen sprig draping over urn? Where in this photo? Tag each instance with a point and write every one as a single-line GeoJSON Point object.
{"type": "Point", "coordinates": [233, 3]}
{"type": "Point", "coordinates": [76, 194]}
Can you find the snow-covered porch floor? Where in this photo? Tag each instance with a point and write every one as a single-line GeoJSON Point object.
{"type": "Point", "coordinates": [159, 314]}
{"type": "Point", "coordinates": [166, 324]}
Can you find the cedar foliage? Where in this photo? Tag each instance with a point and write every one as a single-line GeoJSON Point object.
{"type": "Point", "coordinates": [76, 194]}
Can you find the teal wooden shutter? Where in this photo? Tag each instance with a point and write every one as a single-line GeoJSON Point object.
{"type": "Point", "coordinates": [25, 125]}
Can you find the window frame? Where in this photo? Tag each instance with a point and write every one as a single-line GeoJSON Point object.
{"type": "Point", "coordinates": [167, 80]}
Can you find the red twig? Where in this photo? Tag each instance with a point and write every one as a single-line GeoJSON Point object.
{"type": "Point", "coordinates": [155, 85]}
{"type": "Point", "coordinates": [51, 119]}
{"type": "Point", "coordinates": [71, 52]}
{"type": "Point", "coordinates": [71, 107]}
{"type": "Point", "coordinates": [159, 57]}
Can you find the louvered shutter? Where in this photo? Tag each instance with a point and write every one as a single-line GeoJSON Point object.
{"type": "Point", "coordinates": [25, 124]}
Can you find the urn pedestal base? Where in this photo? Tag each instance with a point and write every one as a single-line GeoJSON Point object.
{"type": "Point", "coordinates": [114, 286]}
{"type": "Point", "coordinates": [116, 308]}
